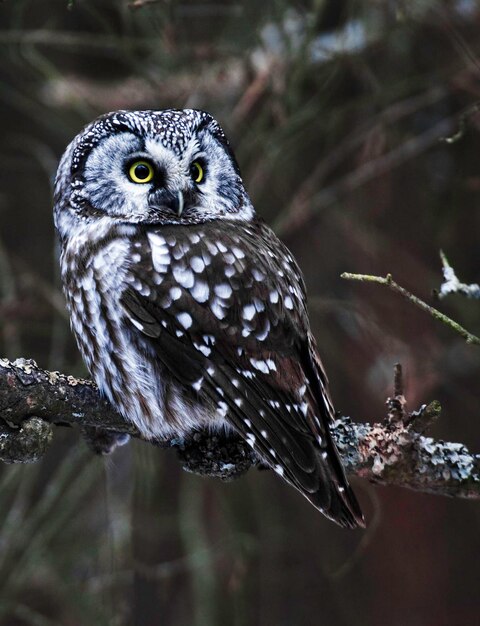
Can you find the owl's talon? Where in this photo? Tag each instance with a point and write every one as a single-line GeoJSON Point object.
{"type": "Point", "coordinates": [102, 441]}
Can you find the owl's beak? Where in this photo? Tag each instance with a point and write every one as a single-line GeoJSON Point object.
{"type": "Point", "coordinates": [180, 203]}
{"type": "Point", "coordinates": [161, 200]}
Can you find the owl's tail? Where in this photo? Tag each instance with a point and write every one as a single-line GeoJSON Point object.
{"type": "Point", "coordinates": [327, 488]}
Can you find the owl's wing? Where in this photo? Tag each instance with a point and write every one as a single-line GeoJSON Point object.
{"type": "Point", "coordinates": [223, 308]}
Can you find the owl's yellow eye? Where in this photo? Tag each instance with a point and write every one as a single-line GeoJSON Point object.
{"type": "Point", "coordinates": [140, 172]}
{"type": "Point", "coordinates": [197, 172]}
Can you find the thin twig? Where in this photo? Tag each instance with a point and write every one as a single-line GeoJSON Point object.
{"type": "Point", "coordinates": [464, 117]}
{"type": "Point", "coordinates": [78, 40]}
{"type": "Point", "coordinates": [388, 281]}
{"type": "Point", "coordinates": [138, 4]}
{"type": "Point", "coordinates": [300, 203]}
{"type": "Point", "coordinates": [287, 222]}
{"type": "Point", "coordinates": [398, 380]}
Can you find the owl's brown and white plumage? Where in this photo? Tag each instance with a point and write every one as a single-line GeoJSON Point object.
{"type": "Point", "coordinates": [188, 310]}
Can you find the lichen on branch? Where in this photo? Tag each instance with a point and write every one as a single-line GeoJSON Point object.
{"type": "Point", "coordinates": [393, 452]}
{"type": "Point", "coordinates": [451, 284]}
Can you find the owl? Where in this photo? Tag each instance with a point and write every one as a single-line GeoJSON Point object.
{"type": "Point", "coordinates": [188, 311]}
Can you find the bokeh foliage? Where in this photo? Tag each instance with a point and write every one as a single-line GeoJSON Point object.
{"type": "Point", "coordinates": [337, 110]}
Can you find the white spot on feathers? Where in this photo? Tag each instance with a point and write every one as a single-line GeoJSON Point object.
{"type": "Point", "coordinates": [260, 365]}
{"type": "Point", "coordinates": [258, 304]}
{"type": "Point", "coordinates": [184, 276]}
{"type": "Point", "coordinates": [136, 323]}
{"type": "Point", "coordinates": [197, 264]}
{"type": "Point", "coordinates": [200, 291]}
{"type": "Point", "coordinates": [197, 385]}
{"type": "Point", "coordinates": [273, 296]}
{"type": "Point", "coordinates": [240, 254]}
{"type": "Point", "coordinates": [258, 275]}
{"type": "Point", "coordinates": [175, 293]}
{"type": "Point", "coordinates": [178, 252]}
{"type": "Point", "coordinates": [271, 365]}
{"type": "Point", "coordinates": [217, 309]}
{"type": "Point", "coordinates": [145, 290]}
{"type": "Point", "coordinates": [160, 252]}
{"type": "Point", "coordinates": [248, 312]}
{"type": "Point", "coordinates": [185, 319]}
{"type": "Point", "coordinates": [222, 408]}
{"type": "Point", "coordinates": [203, 348]}
{"type": "Point", "coordinates": [212, 248]}
{"type": "Point", "coordinates": [223, 290]}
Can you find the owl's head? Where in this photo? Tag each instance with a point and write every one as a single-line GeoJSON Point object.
{"type": "Point", "coordinates": [150, 167]}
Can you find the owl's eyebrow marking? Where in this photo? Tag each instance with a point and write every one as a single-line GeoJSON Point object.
{"type": "Point", "coordinates": [139, 154]}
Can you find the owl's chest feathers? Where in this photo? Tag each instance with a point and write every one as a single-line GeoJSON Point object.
{"type": "Point", "coordinates": [133, 380]}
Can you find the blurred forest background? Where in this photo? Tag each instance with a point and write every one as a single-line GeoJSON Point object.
{"type": "Point", "coordinates": [337, 110]}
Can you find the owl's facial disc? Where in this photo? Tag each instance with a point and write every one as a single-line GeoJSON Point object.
{"type": "Point", "coordinates": [155, 167]}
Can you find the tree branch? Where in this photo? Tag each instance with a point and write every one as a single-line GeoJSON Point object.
{"type": "Point", "coordinates": [394, 452]}
{"type": "Point", "coordinates": [388, 281]}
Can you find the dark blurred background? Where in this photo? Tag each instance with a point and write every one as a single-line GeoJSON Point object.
{"type": "Point", "coordinates": [337, 110]}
